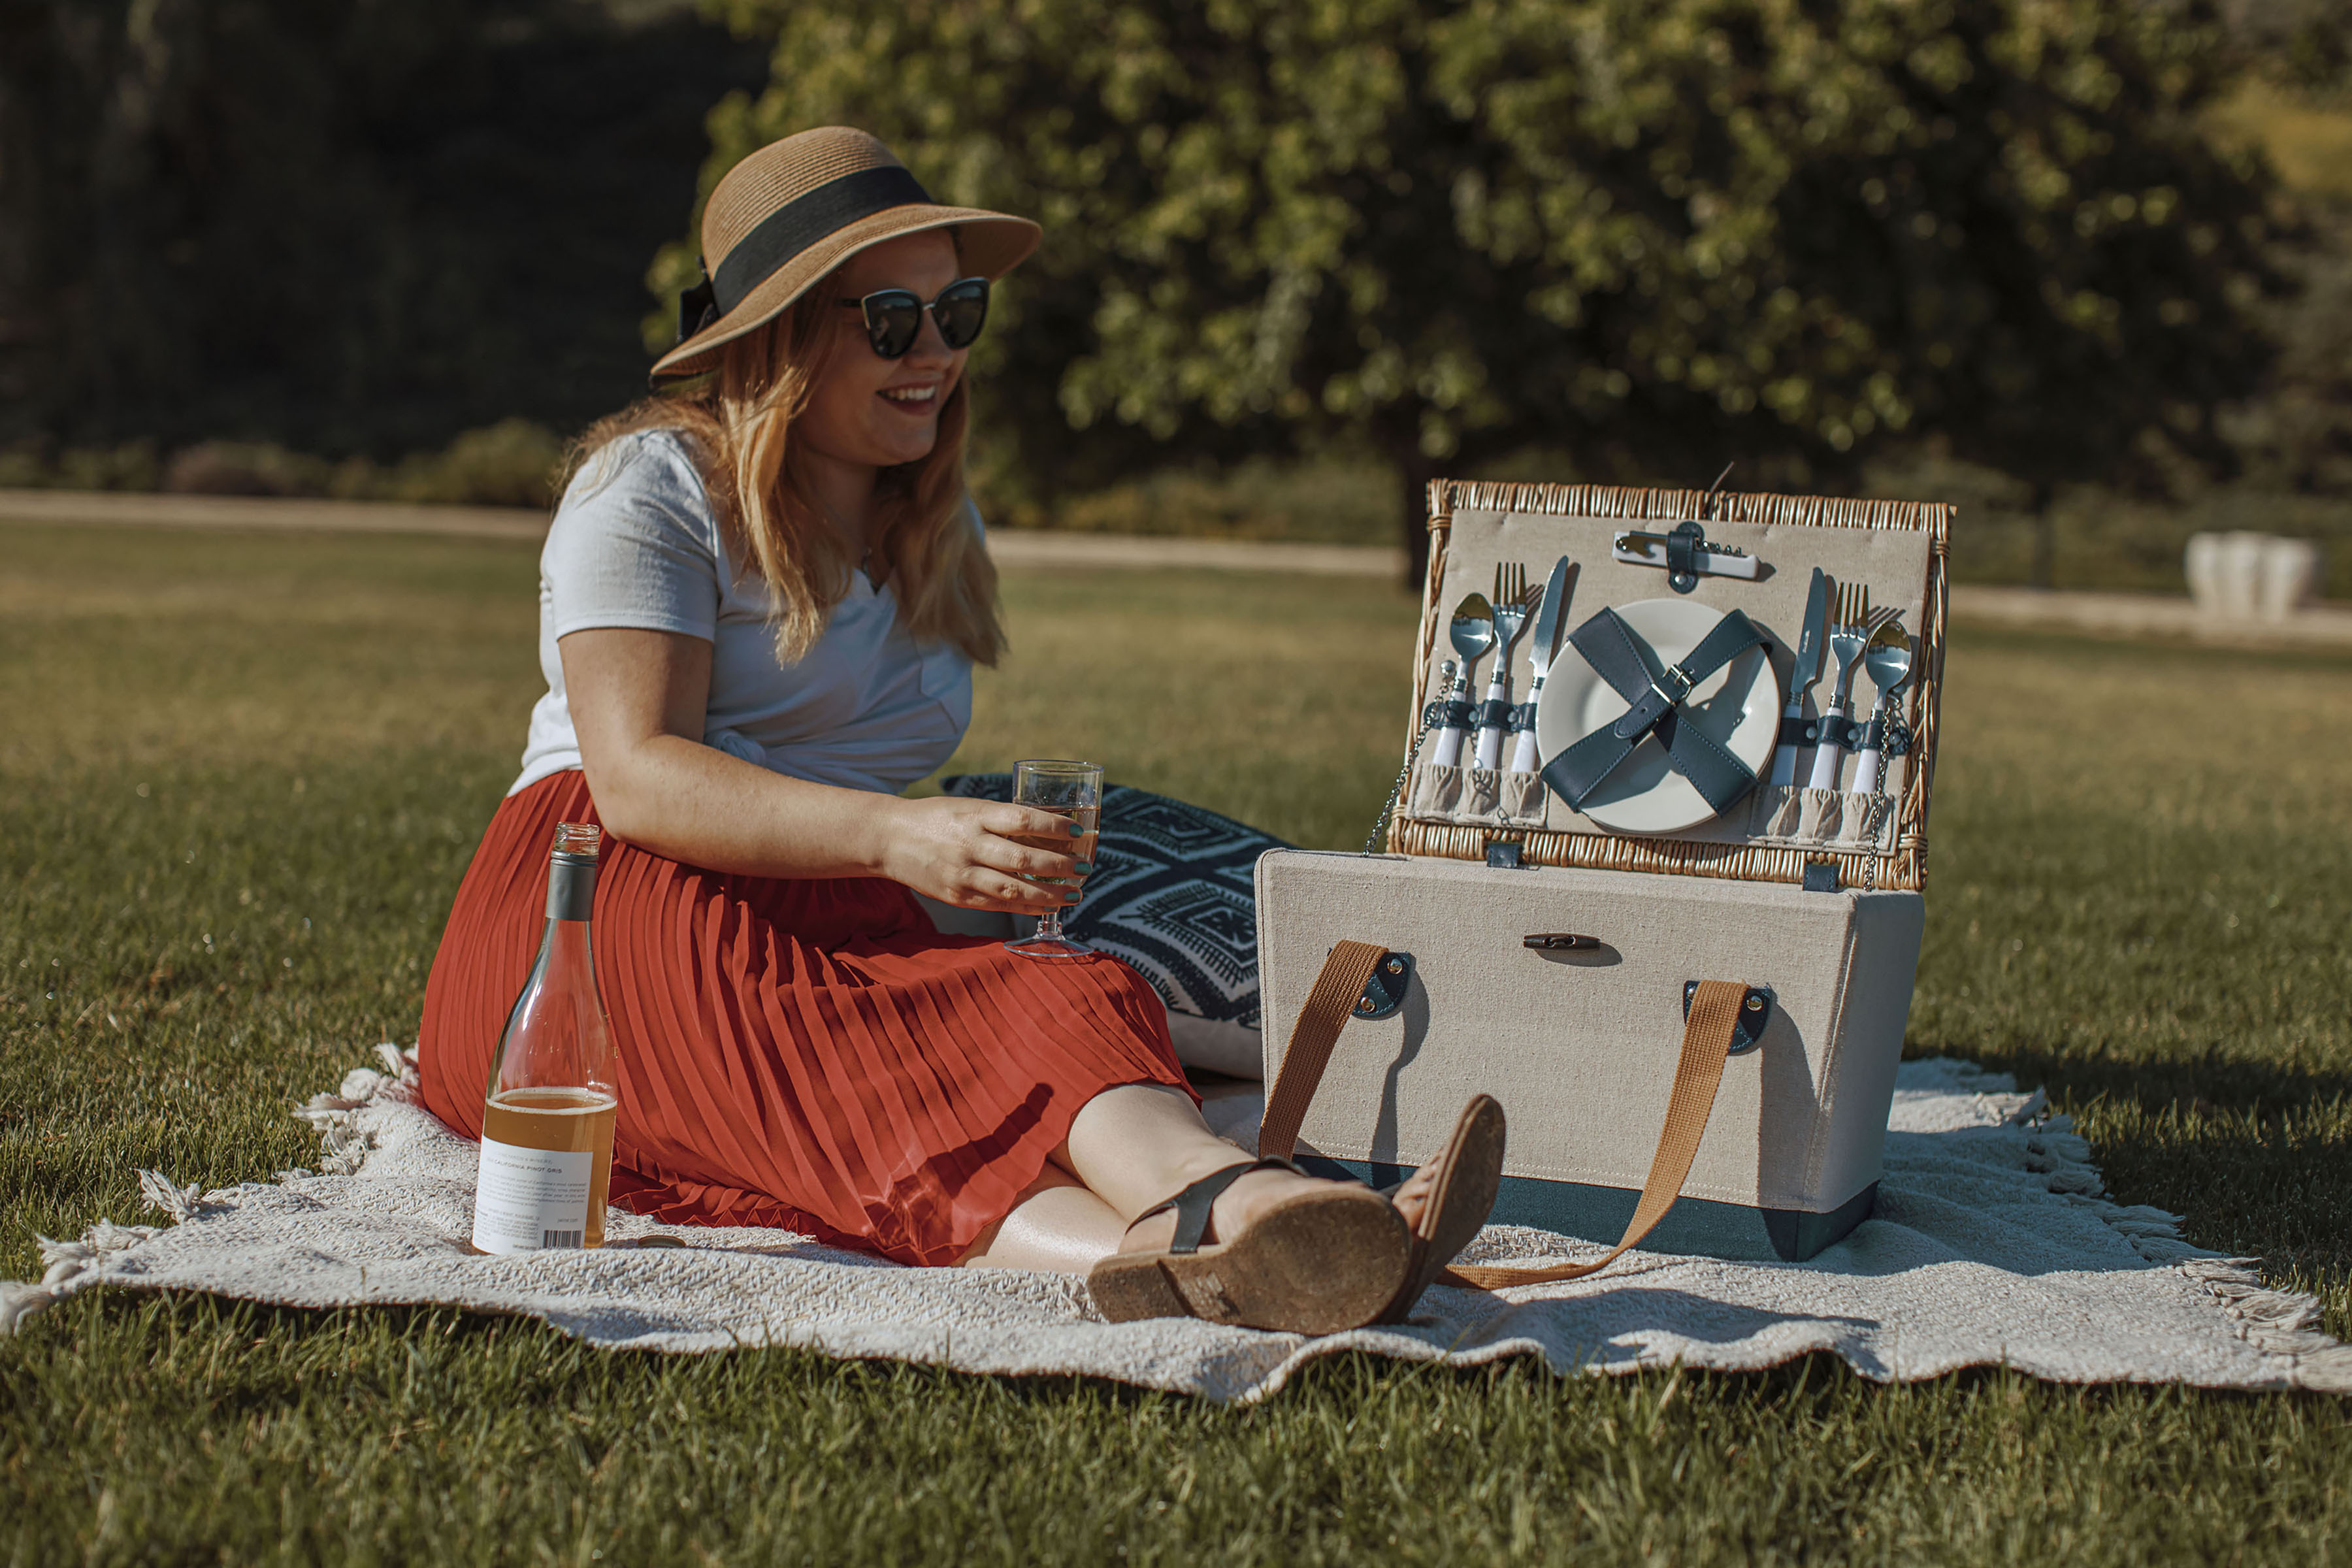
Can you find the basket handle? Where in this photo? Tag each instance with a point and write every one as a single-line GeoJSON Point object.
{"type": "Point", "coordinates": [1707, 1044]}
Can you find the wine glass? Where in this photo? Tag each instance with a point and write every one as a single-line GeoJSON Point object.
{"type": "Point", "coordinates": [1068, 789]}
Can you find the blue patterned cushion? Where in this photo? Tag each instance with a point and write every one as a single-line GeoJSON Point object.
{"type": "Point", "coordinates": [1172, 894]}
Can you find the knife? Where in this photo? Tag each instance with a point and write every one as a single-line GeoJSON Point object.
{"type": "Point", "coordinates": [1803, 674]}
{"type": "Point", "coordinates": [1547, 622]}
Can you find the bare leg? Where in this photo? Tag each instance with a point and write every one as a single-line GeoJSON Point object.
{"type": "Point", "coordinates": [1057, 1225]}
{"type": "Point", "coordinates": [1139, 1144]}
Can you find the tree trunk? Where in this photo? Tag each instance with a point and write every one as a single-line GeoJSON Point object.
{"type": "Point", "coordinates": [2042, 571]}
{"type": "Point", "coordinates": [1413, 473]}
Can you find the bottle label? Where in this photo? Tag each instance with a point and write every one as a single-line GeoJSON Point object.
{"type": "Point", "coordinates": [527, 1200]}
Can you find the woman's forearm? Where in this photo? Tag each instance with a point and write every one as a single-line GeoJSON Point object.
{"type": "Point", "coordinates": [638, 700]}
{"type": "Point", "coordinates": [694, 803]}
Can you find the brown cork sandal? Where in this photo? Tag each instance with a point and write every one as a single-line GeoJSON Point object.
{"type": "Point", "coordinates": [1320, 1263]}
{"type": "Point", "coordinates": [1469, 1174]}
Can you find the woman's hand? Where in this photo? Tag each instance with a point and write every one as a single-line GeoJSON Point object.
{"type": "Point", "coordinates": [974, 854]}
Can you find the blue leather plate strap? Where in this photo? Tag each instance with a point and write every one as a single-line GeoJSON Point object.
{"type": "Point", "coordinates": [1623, 660]}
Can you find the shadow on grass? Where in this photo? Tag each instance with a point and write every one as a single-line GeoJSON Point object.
{"type": "Point", "coordinates": [2211, 1079]}
{"type": "Point", "coordinates": [2256, 1156]}
{"type": "Point", "coordinates": [262, 1358]}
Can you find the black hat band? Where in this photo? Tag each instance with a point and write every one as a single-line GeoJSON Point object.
{"type": "Point", "coordinates": [807, 219]}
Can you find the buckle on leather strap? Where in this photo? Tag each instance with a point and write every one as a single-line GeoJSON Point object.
{"type": "Point", "coordinates": [1673, 672]}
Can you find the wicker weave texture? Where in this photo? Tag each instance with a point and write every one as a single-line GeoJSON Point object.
{"type": "Point", "coordinates": [1904, 867]}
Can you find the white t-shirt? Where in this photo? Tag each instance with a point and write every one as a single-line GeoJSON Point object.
{"type": "Point", "coordinates": [635, 543]}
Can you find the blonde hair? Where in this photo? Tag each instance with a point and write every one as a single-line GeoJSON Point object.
{"type": "Point", "coordinates": [737, 422]}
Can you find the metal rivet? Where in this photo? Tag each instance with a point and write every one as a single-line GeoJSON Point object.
{"type": "Point", "coordinates": [1394, 966]}
{"type": "Point", "coordinates": [1756, 1003]}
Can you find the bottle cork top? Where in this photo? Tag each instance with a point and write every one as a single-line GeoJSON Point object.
{"type": "Point", "coordinates": [578, 840]}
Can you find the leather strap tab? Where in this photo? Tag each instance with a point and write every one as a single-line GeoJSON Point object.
{"type": "Point", "coordinates": [1885, 732]}
{"type": "Point", "coordinates": [1345, 974]}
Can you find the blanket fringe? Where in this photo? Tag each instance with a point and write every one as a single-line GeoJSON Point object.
{"type": "Point", "coordinates": [69, 1266]}
{"type": "Point", "coordinates": [2281, 1323]}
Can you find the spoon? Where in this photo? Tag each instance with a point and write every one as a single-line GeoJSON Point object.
{"type": "Point", "coordinates": [1471, 634]}
{"type": "Point", "coordinates": [1888, 662]}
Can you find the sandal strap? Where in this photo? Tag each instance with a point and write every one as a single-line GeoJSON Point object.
{"type": "Point", "coordinates": [1192, 1204]}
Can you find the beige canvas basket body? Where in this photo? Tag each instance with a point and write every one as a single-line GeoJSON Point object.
{"type": "Point", "coordinates": [1811, 897]}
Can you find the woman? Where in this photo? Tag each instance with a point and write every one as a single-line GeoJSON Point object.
{"type": "Point", "coordinates": [760, 599]}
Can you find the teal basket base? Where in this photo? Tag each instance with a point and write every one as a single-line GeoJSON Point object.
{"type": "Point", "coordinates": [1700, 1225]}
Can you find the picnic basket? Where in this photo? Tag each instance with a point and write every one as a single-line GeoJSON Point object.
{"type": "Point", "coordinates": [1692, 1030]}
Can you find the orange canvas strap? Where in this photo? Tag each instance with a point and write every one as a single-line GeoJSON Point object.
{"type": "Point", "coordinates": [1706, 1045]}
{"type": "Point", "coordinates": [1345, 974]}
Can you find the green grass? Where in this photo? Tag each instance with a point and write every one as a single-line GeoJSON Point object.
{"type": "Point", "coordinates": [239, 778]}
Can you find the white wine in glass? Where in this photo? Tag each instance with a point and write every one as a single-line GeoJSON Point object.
{"type": "Point", "coordinates": [1072, 790]}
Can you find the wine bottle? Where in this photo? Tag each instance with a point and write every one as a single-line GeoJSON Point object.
{"type": "Point", "coordinates": [549, 1111]}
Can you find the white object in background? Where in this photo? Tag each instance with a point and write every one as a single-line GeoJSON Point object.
{"type": "Point", "coordinates": [2202, 563]}
{"type": "Point", "coordinates": [2246, 576]}
{"type": "Point", "coordinates": [2290, 578]}
{"type": "Point", "coordinates": [2241, 574]}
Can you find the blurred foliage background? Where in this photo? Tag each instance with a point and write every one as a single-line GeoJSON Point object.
{"type": "Point", "coordinates": [2083, 266]}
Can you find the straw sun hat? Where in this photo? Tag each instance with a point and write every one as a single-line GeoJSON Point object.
{"type": "Point", "coordinates": [796, 209]}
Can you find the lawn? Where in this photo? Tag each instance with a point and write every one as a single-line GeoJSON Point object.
{"type": "Point", "coordinates": [239, 777]}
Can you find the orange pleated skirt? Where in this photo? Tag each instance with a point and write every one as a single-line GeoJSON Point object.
{"type": "Point", "coordinates": [806, 1054]}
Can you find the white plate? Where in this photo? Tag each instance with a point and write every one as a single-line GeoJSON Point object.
{"type": "Point", "coordinates": [1739, 705]}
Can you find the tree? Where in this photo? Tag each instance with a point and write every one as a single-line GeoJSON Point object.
{"type": "Point", "coordinates": [1656, 233]}
{"type": "Point", "coordinates": [346, 225]}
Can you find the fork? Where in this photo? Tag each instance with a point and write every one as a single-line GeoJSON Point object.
{"type": "Point", "coordinates": [1513, 604]}
{"type": "Point", "coordinates": [1855, 625]}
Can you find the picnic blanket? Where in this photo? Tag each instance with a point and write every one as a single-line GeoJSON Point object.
{"type": "Point", "coordinates": [1990, 1244]}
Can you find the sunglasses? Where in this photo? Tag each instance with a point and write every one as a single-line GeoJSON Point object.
{"type": "Point", "coordinates": [893, 317]}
